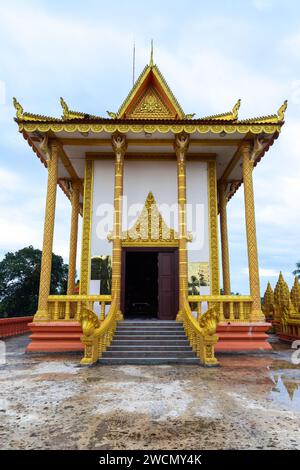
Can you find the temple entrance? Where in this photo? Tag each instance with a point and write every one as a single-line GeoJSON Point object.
{"type": "Point", "coordinates": [150, 283]}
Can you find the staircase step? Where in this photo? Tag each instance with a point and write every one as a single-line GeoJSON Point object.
{"type": "Point", "coordinates": [150, 332]}
{"type": "Point", "coordinates": [137, 354]}
{"type": "Point", "coordinates": [149, 337]}
{"type": "Point", "coordinates": [140, 347]}
{"type": "Point", "coordinates": [149, 361]}
{"type": "Point", "coordinates": [150, 342]}
{"type": "Point", "coordinates": [149, 328]}
{"type": "Point", "coordinates": [149, 322]}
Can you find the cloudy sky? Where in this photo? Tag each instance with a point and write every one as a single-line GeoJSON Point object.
{"type": "Point", "coordinates": [211, 53]}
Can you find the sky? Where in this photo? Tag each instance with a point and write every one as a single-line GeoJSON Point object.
{"type": "Point", "coordinates": [211, 54]}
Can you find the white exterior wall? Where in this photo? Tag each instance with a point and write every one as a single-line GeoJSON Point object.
{"type": "Point", "coordinates": [141, 177]}
{"type": "Point", "coordinates": [159, 177]}
{"type": "Point", "coordinates": [197, 214]}
{"type": "Point", "coordinates": [103, 200]}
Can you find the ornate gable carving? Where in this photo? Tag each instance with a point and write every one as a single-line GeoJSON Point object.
{"type": "Point", "coordinates": [150, 106]}
{"type": "Point", "coordinates": [150, 228]}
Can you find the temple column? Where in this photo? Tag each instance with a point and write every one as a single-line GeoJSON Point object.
{"type": "Point", "coordinates": [85, 265]}
{"type": "Point", "coordinates": [256, 311]}
{"type": "Point", "coordinates": [181, 147]}
{"type": "Point", "coordinates": [119, 146]}
{"type": "Point", "coordinates": [224, 239]}
{"type": "Point", "coordinates": [73, 236]}
{"type": "Point", "coordinates": [213, 228]}
{"type": "Point", "coordinates": [46, 263]}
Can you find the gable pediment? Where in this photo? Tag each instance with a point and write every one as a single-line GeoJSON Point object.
{"type": "Point", "coordinates": [150, 98]}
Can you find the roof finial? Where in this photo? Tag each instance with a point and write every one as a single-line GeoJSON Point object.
{"type": "Point", "coordinates": [151, 56]}
{"type": "Point", "coordinates": [281, 111]}
{"type": "Point", "coordinates": [18, 108]}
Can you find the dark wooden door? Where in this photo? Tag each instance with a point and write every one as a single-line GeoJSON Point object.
{"type": "Point", "coordinates": [167, 271]}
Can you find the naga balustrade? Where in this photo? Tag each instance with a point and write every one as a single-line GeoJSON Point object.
{"type": "Point", "coordinates": [97, 336]}
{"type": "Point", "coordinates": [230, 308]}
{"type": "Point", "coordinates": [201, 334]}
{"type": "Point", "coordinates": [14, 326]}
{"type": "Point", "coordinates": [70, 307]}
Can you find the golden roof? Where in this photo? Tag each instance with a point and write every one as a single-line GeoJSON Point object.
{"type": "Point", "coordinates": [150, 99]}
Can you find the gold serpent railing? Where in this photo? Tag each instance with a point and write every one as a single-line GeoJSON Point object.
{"type": "Point", "coordinates": [230, 308]}
{"type": "Point", "coordinates": [97, 335]}
{"type": "Point", "coordinates": [201, 334]}
{"type": "Point", "coordinates": [70, 307]}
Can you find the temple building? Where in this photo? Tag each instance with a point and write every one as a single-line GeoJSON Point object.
{"type": "Point", "coordinates": [152, 185]}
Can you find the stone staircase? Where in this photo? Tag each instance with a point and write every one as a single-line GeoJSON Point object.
{"type": "Point", "coordinates": [149, 342]}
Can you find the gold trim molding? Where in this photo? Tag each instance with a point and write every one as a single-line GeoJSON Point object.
{"type": "Point", "coordinates": [151, 128]}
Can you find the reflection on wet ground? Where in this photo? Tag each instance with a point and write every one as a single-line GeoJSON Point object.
{"type": "Point", "coordinates": [281, 373]}
{"type": "Point", "coordinates": [48, 402]}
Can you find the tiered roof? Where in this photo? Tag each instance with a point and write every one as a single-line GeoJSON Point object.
{"type": "Point", "coordinates": [151, 101]}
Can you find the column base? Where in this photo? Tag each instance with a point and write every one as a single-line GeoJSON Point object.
{"type": "Point", "coordinates": [243, 337]}
{"type": "Point", "coordinates": [41, 315]}
{"type": "Point", "coordinates": [257, 316]}
{"type": "Point", "coordinates": [57, 336]}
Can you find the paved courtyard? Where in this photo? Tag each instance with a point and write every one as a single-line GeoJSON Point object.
{"type": "Point", "coordinates": [48, 402]}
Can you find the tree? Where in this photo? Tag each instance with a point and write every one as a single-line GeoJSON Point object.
{"type": "Point", "coordinates": [297, 270]}
{"type": "Point", "coordinates": [194, 284]}
{"type": "Point", "coordinates": [20, 277]}
{"type": "Point", "coordinates": [101, 269]}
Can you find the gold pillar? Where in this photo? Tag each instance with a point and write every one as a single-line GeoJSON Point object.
{"type": "Point", "coordinates": [75, 188]}
{"type": "Point", "coordinates": [85, 268]}
{"type": "Point", "coordinates": [46, 264]}
{"type": "Point", "coordinates": [213, 228]}
{"type": "Point", "coordinates": [256, 311]}
{"type": "Point", "coordinates": [181, 146]}
{"type": "Point", "coordinates": [119, 147]}
{"type": "Point", "coordinates": [224, 239]}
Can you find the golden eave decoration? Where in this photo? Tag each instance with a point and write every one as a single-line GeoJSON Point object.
{"type": "Point", "coordinates": [123, 127]}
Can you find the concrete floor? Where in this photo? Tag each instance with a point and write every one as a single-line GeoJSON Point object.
{"type": "Point", "coordinates": [48, 402]}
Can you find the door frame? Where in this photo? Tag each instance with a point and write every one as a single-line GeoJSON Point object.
{"type": "Point", "coordinates": [153, 249]}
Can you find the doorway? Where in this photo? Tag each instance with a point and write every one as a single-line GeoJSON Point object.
{"type": "Point", "coordinates": [150, 283]}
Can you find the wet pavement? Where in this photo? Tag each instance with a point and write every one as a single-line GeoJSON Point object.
{"type": "Point", "coordinates": [48, 402]}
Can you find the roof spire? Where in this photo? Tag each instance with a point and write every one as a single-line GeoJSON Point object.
{"type": "Point", "coordinates": [151, 55]}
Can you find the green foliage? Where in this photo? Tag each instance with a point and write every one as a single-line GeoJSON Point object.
{"type": "Point", "coordinates": [20, 277]}
{"type": "Point", "coordinates": [101, 270]}
{"type": "Point", "coordinates": [297, 270]}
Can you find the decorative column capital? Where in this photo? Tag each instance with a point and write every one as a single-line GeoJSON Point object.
{"type": "Point", "coordinates": [246, 150]}
{"type": "Point", "coordinates": [181, 145]}
{"type": "Point", "coordinates": [246, 147]}
{"type": "Point", "coordinates": [54, 143]}
{"type": "Point", "coordinates": [54, 146]}
{"type": "Point", "coordinates": [119, 145]}
{"type": "Point", "coordinates": [74, 185]}
{"type": "Point", "coordinates": [222, 187]}
{"type": "Point", "coordinates": [252, 150]}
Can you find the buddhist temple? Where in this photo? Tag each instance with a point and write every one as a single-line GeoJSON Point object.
{"type": "Point", "coordinates": [152, 185]}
